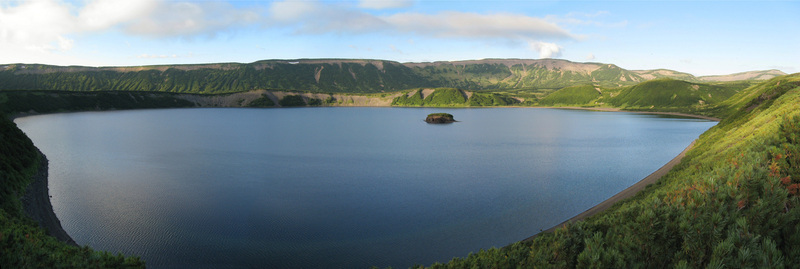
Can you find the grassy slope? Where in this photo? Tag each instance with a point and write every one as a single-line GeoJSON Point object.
{"type": "Point", "coordinates": [670, 94]}
{"type": "Point", "coordinates": [441, 97]}
{"type": "Point", "coordinates": [575, 95]}
{"type": "Point", "coordinates": [318, 77]}
{"type": "Point", "coordinates": [732, 202]}
{"type": "Point", "coordinates": [365, 76]}
{"type": "Point", "coordinates": [448, 97]}
{"type": "Point", "coordinates": [22, 243]}
{"type": "Point", "coordinates": [752, 114]}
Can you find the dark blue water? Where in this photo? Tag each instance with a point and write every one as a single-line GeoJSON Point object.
{"type": "Point", "coordinates": [337, 187]}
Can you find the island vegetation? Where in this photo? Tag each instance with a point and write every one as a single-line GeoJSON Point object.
{"type": "Point", "coordinates": [440, 118]}
{"type": "Point", "coordinates": [734, 200]}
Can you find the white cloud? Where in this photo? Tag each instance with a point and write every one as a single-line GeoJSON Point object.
{"type": "Point", "coordinates": [292, 11]}
{"type": "Point", "coordinates": [474, 25]}
{"type": "Point", "coordinates": [104, 14]}
{"type": "Point", "coordinates": [47, 25]}
{"type": "Point", "coordinates": [36, 25]}
{"type": "Point", "coordinates": [385, 4]}
{"type": "Point", "coordinates": [189, 19]}
{"type": "Point", "coordinates": [546, 50]}
{"type": "Point", "coordinates": [311, 17]}
{"type": "Point", "coordinates": [314, 17]}
{"type": "Point", "coordinates": [590, 57]}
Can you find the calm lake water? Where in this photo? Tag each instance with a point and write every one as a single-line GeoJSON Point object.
{"type": "Point", "coordinates": [337, 187]}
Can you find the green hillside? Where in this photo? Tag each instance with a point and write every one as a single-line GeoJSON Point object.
{"type": "Point", "coordinates": [331, 75]}
{"type": "Point", "coordinates": [318, 76]}
{"type": "Point", "coordinates": [449, 97]}
{"type": "Point", "coordinates": [733, 202]}
{"type": "Point", "coordinates": [575, 95]}
{"type": "Point", "coordinates": [492, 99]}
{"type": "Point", "coordinates": [670, 95]}
{"type": "Point", "coordinates": [435, 97]}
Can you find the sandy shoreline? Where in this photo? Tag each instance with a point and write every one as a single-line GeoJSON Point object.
{"type": "Point", "coordinates": [624, 194]}
{"type": "Point", "coordinates": [36, 204]}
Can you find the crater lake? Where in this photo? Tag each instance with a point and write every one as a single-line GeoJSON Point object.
{"type": "Point", "coordinates": [337, 187]}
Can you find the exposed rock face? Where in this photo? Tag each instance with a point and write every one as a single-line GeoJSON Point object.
{"type": "Point", "coordinates": [439, 118]}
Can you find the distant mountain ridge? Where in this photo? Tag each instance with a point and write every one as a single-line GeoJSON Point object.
{"type": "Point", "coordinates": [341, 75]}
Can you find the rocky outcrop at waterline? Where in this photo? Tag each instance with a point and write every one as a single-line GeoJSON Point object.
{"type": "Point", "coordinates": [440, 118]}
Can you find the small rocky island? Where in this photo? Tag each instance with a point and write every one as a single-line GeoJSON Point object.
{"type": "Point", "coordinates": [440, 118]}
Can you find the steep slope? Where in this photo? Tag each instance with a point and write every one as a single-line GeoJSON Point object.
{"type": "Point", "coordinates": [520, 73]}
{"type": "Point", "coordinates": [336, 75]}
{"type": "Point", "coordinates": [308, 75]}
{"type": "Point", "coordinates": [441, 97]}
{"type": "Point", "coordinates": [670, 94]}
{"type": "Point", "coordinates": [574, 95]}
{"type": "Point", "coordinates": [734, 201]}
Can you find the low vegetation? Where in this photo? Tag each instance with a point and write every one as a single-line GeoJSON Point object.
{"type": "Point", "coordinates": [292, 100]}
{"type": "Point", "coordinates": [332, 75]}
{"type": "Point", "coordinates": [441, 97]}
{"type": "Point", "coordinates": [671, 95]}
{"type": "Point", "coordinates": [733, 202]}
{"type": "Point", "coordinates": [263, 101]}
{"type": "Point", "coordinates": [439, 118]}
{"type": "Point", "coordinates": [492, 99]}
{"type": "Point", "coordinates": [572, 96]}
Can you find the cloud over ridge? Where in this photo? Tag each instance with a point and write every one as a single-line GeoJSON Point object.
{"type": "Point", "coordinates": [50, 26]}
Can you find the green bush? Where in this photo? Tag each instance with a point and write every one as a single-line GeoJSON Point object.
{"type": "Point", "coordinates": [263, 101]}
{"type": "Point", "coordinates": [292, 100]}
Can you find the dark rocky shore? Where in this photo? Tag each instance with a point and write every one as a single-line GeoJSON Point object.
{"type": "Point", "coordinates": [36, 204]}
{"type": "Point", "coordinates": [440, 118]}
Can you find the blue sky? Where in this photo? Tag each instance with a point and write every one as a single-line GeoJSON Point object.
{"type": "Point", "coordinates": [699, 37]}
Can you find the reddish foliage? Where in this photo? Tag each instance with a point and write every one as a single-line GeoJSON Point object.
{"type": "Point", "coordinates": [794, 189]}
{"type": "Point", "coordinates": [774, 169]}
{"type": "Point", "coordinates": [741, 204]}
{"type": "Point", "coordinates": [786, 180]}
